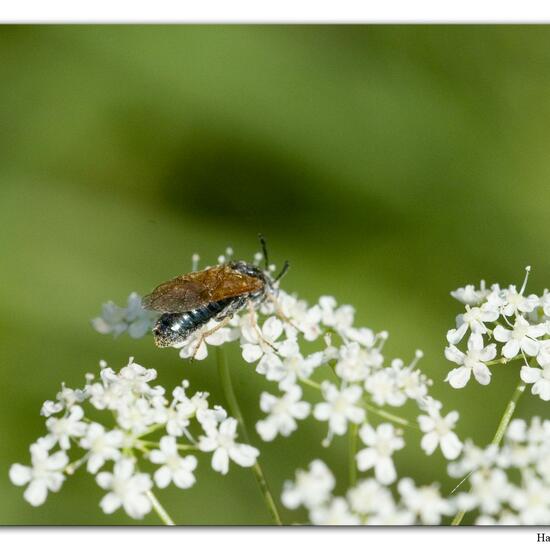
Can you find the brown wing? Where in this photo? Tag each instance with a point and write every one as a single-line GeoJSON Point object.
{"type": "Point", "coordinates": [196, 289]}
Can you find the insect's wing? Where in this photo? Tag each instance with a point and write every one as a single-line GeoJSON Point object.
{"type": "Point", "coordinates": [228, 283]}
{"type": "Point", "coordinates": [178, 295]}
{"type": "Point", "coordinates": [196, 289]}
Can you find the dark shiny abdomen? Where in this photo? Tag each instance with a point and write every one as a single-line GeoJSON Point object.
{"type": "Point", "coordinates": [174, 328]}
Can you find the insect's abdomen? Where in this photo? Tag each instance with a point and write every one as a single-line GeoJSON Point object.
{"type": "Point", "coordinates": [174, 328]}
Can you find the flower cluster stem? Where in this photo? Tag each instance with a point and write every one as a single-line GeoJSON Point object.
{"type": "Point", "coordinates": [499, 434]}
{"type": "Point", "coordinates": [159, 509]}
{"type": "Point", "coordinates": [388, 416]}
{"type": "Point", "coordinates": [234, 408]}
{"type": "Point", "coordinates": [508, 413]}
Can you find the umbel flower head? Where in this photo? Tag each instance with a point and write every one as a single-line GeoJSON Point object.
{"type": "Point", "coordinates": [505, 325]}
{"type": "Point", "coordinates": [271, 337]}
{"type": "Point", "coordinates": [316, 365]}
{"type": "Point", "coordinates": [146, 430]}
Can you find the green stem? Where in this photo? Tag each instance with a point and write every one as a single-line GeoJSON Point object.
{"type": "Point", "coordinates": [508, 413]}
{"type": "Point", "coordinates": [458, 518]}
{"type": "Point", "coordinates": [499, 434]}
{"type": "Point", "coordinates": [161, 512]}
{"type": "Point", "coordinates": [310, 383]}
{"type": "Point", "coordinates": [503, 360]}
{"type": "Point", "coordinates": [388, 415]}
{"type": "Point", "coordinates": [352, 449]}
{"type": "Point", "coordinates": [231, 398]}
{"type": "Point", "coordinates": [156, 444]}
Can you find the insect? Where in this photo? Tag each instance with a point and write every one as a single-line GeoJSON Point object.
{"type": "Point", "coordinates": [189, 301]}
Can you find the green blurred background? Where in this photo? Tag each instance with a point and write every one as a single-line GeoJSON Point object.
{"type": "Point", "coordinates": [389, 164]}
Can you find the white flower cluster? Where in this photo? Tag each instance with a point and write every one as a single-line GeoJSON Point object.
{"type": "Point", "coordinates": [151, 440]}
{"type": "Point", "coordinates": [509, 485]}
{"type": "Point", "coordinates": [504, 318]}
{"type": "Point", "coordinates": [366, 503]}
{"type": "Point", "coordinates": [272, 337]}
{"type": "Point", "coordinates": [362, 386]}
{"type": "Point", "coordinates": [306, 351]}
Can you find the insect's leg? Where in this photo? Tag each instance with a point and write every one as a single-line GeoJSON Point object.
{"type": "Point", "coordinates": [207, 333]}
{"type": "Point", "coordinates": [252, 312]}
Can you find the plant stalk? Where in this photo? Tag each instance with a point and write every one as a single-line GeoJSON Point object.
{"type": "Point", "coordinates": [499, 434]}
{"type": "Point", "coordinates": [159, 509]}
{"type": "Point", "coordinates": [231, 398]}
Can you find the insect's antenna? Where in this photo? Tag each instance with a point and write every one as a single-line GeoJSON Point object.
{"type": "Point", "coordinates": [264, 250]}
{"type": "Point", "coordinates": [283, 271]}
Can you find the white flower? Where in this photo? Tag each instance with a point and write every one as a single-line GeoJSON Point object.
{"type": "Point", "coordinates": [516, 431]}
{"type": "Point", "coordinates": [138, 319]}
{"type": "Point", "coordinates": [133, 318]}
{"type": "Point", "coordinates": [532, 501]}
{"type": "Point", "coordinates": [381, 444]}
{"type": "Point", "coordinates": [111, 320]}
{"type": "Point", "coordinates": [67, 426]}
{"type": "Point", "coordinates": [102, 445]}
{"type": "Point", "coordinates": [340, 407]}
{"type": "Point", "coordinates": [292, 367]}
{"type": "Point", "coordinates": [221, 440]}
{"type": "Point", "coordinates": [184, 408]}
{"type": "Point", "coordinates": [195, 345]}
{"type": "Point", "coordinates": [138, 415]}
{"type": "Point", "coordinates": [439, 431]}
{"type": "Point", "coordinates": [522, 337]}
{"type": "Point", "coordinates": [260, 344]}
{"type": "Point", "coordinates": [44, 475]}
{"type": "Point", "coordinates": [516, 302]}
{"type": "Point", "coordinates": [282, 412]}
{"type": "Point", "coordinates": [505, 518]}
{"type": "Point", "coordinates": [133, 379]}
{"type": "Point", "coordinates": [425, 502]}
{"type": "Point", "coordinates": [471, 361]}
{"type": "Point", "coordinates": [489, 489]}
{"type": "Point", "coordinates": [369, 497]}
{"type": "Point", "coordinates": [543, 357]}
{"type": "Point", "coordinates": [469, 295]}
{"type": "Point", "coordinates": [127, 489]}
{"type": "Point", "coordinates": [474, 319]}
{"type": "Point", "coordinates": [383, 387]}
{"type": "Point", "coordinates": [411, 381]}
{"type": "Point", "coordinates": [68, 397]}
{"type": "Point", "coordinates": [174, 468]}
{"type": "Point", "coordinates": [311, 488]}
{"type": "Point", "coordinates": [209, 419]}
{"type": "Point", "coordinates": [353, 363]}
{"type": "Point", "coordinates": [305, 319]}
{"type": "Point", "coordinates": [393, 516]}
{"type": "Point", "coordinates": [538, 431]}
{"type": "Point", "coordinates": [473, 458]}
{"type": "Point", "coordinates": [335, 513]}
{"type": "Point", "coordinates": [340, 319]}
{"type": "Point", "coordinates": [365, 337]}
{"type": "Point", "coordinates": [540, 378]}
{"type": "Point", "coordinates": [177, 419]}
{"type": "Point", "coordinates": [50, 407]}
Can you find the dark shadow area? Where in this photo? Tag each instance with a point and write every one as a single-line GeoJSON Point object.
{"type": "Point", "coordinates": [219, 176]}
